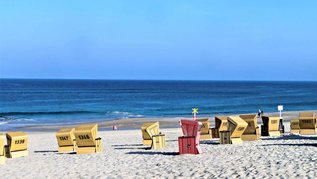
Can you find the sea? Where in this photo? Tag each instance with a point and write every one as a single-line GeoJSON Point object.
{"type": "Point", "coordinates": [48, 101]}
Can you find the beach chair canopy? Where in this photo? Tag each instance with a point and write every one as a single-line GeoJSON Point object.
{"type": "Point", "coordinates": [190, 127]}
{"type": "Point", "coordinates": [252, 123]}
{"type": "Point", "coordinates": [65, 137]}
{"type": "Point", "coordinates": [205, 125]}
{"type": "Point", "coordinates": [86, 134]}
{"type": "Point", "coordinates": [149, 129]}
{"type": "Point", "coordinates": [17, 141]}
{"type": "Point", "coordinates": [307, 120]}
{"type": "Point", "coordinates": [221, 123]}
{"type": "Point", "coordinates": [236, 126]}
{"type": "Point", "coordinates": [273, 123]}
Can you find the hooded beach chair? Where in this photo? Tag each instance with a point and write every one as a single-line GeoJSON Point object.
{"type": "Point", "coordinates": [205, 130]}
{"type": "Point", "coordinates": [189, 142]}
{"type": "Point", "coordinates": [17, 145]}
{"type": "Point", "coordinates": [221, 124]}
{"type": "Point", "coordinates": [307, 123]}
{"type": "Point", "coordinates": [271, 126]}
{"type": "Point", "coordinates": [236, 126]}
{"type": "Point", "coordinates": [66, 140]}
{"type": "Point", "coordinates": [294, 125]}
{"type": "Point", "coordinates": [87, 140]}
{"type": "Point", "coordinates": [152, 136]}
{"type": "Point", "coordinates": [252, 132]}
{"type": "Point", "coordinates": [2, 151]}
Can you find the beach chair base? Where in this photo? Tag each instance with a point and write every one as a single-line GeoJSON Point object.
{"type": "Point", "coordinates": [188, 145]}
{"type": "Point", "coordinates": [147, 142]}
{"type": "Point", "coordinates": [250, 137]}
{"type": "Point", "coordinates": [236, 141]}
{"type": "Point", "coordinates": [224, 137]}
{"type": "Point", "coordinates": [214, 133]}
{"type": "Point", "coordinates": [274, 133]}
{"type": "Point", "coordinates": [66, 149]}
{"type": "Point", "coordinates": [206, 136]}
{"type": "Point", "coordinates": [90, 149]}
{"type": "Point", "coordinates": [158, 141]}
{"type": "Point", "coordinates": [17, 154]}
{"type": "Point", "coordinates": [307, 131]}
{"type": "Point", "coordinates": [2, 160]}
{"type": "Point", "coordinates": [294, 131]}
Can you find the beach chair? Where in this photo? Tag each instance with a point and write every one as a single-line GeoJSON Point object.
{"type": "Point", "coordinates": [2, 151]}
{"type": "Point", "coordinates": [252, 132]}
{"type": "Point", "coordinates": [307, 123]}
{"type": "Point", "coordinates": [152, 136]}
{"type": "Point", "coordinates": [221, 124]}
{"type": "Point", "coordinates": [236, 126]}
{"type": "Point", "coordinates": [205, 131]}
{"type": "Point", "coordinates": [87, 140]}
{"type": "Point", "coordinates": [66, 140]}
{"type": "Point", "coordinates": [189, 142]}
{"type": "Point", "coordinates": [17, 145]}
{"type": "Point", "coordinates": [294, 125]}
{"type": "Point", "coordinates": [271, 126]}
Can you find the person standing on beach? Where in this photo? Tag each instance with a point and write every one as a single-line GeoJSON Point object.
{"type": "Point", "coordinates": [259, 113]}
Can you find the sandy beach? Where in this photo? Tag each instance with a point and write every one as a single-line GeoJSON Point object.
{"type": "Point", "coordinates": [124, 156]}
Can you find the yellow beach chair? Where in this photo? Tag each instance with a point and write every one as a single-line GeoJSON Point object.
{"type": "Point", "coordinates": [152, 136]}
{"type": "Point", "coordinates": [87, 140]}
{"type": "Point", "coordinates": [66, 140]}
{"type": "Point", "coordinates": [236, 126]}
{"type": "Point", "coordinates": [307, 123]}
{"type": "Point", "coordinates": [221, 123]}
{"type": "Point", "coordinates": [271, 126]}
{"type": "Point", "coordinates": [2, 151]}
{"type": "Point", "coordinates": [252, 132]}
{"type": "Point", "coordinates": [17, 145]}
{"type": "Point", "coordinates": [205, 130]}
{"type": "Point", "coordinates": [294, 126]}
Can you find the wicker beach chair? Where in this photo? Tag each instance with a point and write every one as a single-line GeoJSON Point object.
{"type": "Point", "coordinates": [2, 151]}
{"type": "Point", "coordinates": [307, 123]}
{"type": "Point", "coordinates": [205, 131]}
{"type": "Point", "coordinates": [189, 142]}
{"type": "Point", "coordinates": [221, 124]}
{"type": "Point", "coordinates": [152, 136]}
{"type": "Point", "coordinates": [17, 145]}
{"type": "Point", "coordinates": [252, 132]}
{"type": "Point", "coordinates": [66, 140]}
{"type": "Point", "coordinates": [236, 126]}
{"type": "Point", "coordinates": [87, 140]}
{"type": "Point", "coordinates": [271, 126]}
{"type": "Point", "coordinates": [294, 125]}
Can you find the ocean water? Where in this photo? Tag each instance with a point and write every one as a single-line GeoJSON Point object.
{"type": "Point", "coordinates": [24, 102]}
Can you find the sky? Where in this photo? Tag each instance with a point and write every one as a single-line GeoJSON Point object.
{"type": "Point", "coordinates": [159, 39]}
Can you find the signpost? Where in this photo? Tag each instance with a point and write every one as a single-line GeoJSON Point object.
{"type": "Point", "coordinates": [280, 108]}
{"type": "Point", "coordinates": [195, 111]}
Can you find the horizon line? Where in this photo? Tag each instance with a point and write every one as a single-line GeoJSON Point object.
{"type": "Point", "coordinates": [121, 79]}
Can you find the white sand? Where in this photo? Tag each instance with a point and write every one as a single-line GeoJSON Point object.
{"type": "Point", "coordinates": [123, 156]}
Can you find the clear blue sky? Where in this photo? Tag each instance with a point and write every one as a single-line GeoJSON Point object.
{"type": "Point", "coordinates": [157, 39]}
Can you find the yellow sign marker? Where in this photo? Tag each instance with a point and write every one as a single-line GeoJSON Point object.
{"type": "Point", "coordinates": [195, 111]}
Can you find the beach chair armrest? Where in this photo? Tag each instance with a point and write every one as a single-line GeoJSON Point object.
{"type": "Point", "coordinates": [99, 138]}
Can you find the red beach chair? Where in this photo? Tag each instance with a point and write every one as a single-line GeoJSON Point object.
{"type": "Point", "coordinates": [189, 143]}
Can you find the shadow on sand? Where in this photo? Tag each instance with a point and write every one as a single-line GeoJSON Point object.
{"type": "Point", "coordinates": [123, 145]}
{"type": "Point", "coordinates": [46, 151]}
{"type": "Point", "coordinates": [292, 137]}
{"type": "Point", "coordinates": [154, 153]}
{"type": "Point", "coordinates": [300, 145]}
{"type": "Point", "coordinates": [123, 148]}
